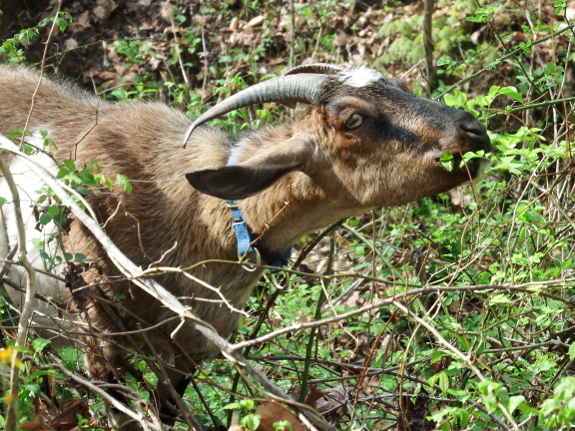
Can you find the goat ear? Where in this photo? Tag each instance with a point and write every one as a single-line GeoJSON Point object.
{"type": "Point", "coordinates": [254, 174]}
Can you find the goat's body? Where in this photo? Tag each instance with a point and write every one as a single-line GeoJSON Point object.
{"type": "Point", "coordinates": [162, 213]}
{"type": "Point", "coordinates": [358, 147]}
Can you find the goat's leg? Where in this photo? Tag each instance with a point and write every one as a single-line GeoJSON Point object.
{"type": "Point", "coordinates": [102, 361]}
{"type": "Point", "coordinates": [170, 394]}
{"type": "Point", "coordinates": [172, 385]}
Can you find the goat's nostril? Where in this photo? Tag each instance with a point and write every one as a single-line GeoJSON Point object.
{"type": "Point", "coordinates": [474, 128]}
{"type": "Point", "coordinates": [474, 132]}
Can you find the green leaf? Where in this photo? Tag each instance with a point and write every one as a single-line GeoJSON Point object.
{"type": "Point", "coordinates": [450, 99]}
{"type": "Point", "coordinates": [572, 351]}
{"type": "Point", "coordinates": [122, 180]}
{"type": "Point", "coordinates": [79, 257]}
{"type": "Point", "coordinates": [442, 379]}
{"type": "Point", "coordinates": [512, 92]}
{"type": "Point", "coordinates": [282, 426]}
{"type": "Point", "coordinates": [448, 162]}
{"type": "Point", "coordinates": [37, 243]}
{"type": "Point", "coordinates": [70, 165]}
{"type": "Point", "coordinates": [494, 90]}
{"type": "Point", "coordinates": [54, 211]}
{"type": "Point", "coordinates": [463, 417]}
{"type": "Point", "coordinates": [460, 395]}
{"type": "Point", "coordinates": [499, 299]}
{"type": "Point", "coordinates": [33, 387]}
{"type": "Point", "coordinates": [45, 218]}
{"type": "Point", "coordinates": [529, 216]}
{"type": "Point", "coordinates": [443, 382]}
{"type": "Point", "coordinates": [436, 356]}
{"type": "Point", "coordinates": [252, 421]}
{"type": "Point", "coordinates": [38, 344]}
{"type": "Point", "coordinates": [489, 386]}
{"type": "Point", "coordinates": [247, 404]}
{"type": "Point", "coordinates": [515, 402]}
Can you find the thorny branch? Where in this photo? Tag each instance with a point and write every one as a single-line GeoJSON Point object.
{"type": "Point", "coordinates": [466, 359]}
{"type": "Point", "coordinates": [524, 287]}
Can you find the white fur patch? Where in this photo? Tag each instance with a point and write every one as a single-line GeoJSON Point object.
{"type": "Point", "coordinates": [359, 76]}
{"type": "Point", "coordinates": [28, 185]}
{"type": "Point", "coordinates": [36, 140]}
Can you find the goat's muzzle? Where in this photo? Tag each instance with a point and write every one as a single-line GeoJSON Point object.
{"type": "Point", "coordinates": [471, 136]}
{"type": "Point", "coordinates": [473, 133]}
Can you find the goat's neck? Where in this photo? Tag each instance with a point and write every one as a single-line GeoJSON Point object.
{"type": "Point", "coordinates": [291, 208]}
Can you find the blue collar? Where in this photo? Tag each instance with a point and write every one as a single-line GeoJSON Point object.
{"type": "Point", "coordinates": [244, 237]}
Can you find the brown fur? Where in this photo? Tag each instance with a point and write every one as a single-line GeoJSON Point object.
{"type": "Point", "coordinates": [391, 159]}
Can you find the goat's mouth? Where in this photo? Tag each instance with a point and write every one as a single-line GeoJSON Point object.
{"type": "Point", "coordinates": [454, 162]}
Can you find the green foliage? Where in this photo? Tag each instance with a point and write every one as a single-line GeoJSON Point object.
{"type": "Point", "coordinates": [250, 421]}
{"type": "Point", "coordinates": [559, 6]}
{"type": "Point", "coordinates": [484, 14]}
{"type": "Point", "coordinates": [10, 49]}
{"type": "Point", "coordinates": [559, 410]}
{"type": "Point", "coordinates": [282, 426]}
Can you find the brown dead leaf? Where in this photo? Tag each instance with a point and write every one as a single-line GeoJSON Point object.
{"type": "Point", "coordinates": [70, 44]}
{"type": "Point", "coordinates": [129, 77]}
{"type": "Point", "coordinates": [324, 400]}
{"type": "Point", "coordinates": [442, 364]}
{"type": "Point", "coordinates": [246, 38]}
{"type": "Point", "coordinates": [68, 419]}
{"type": "Point", "coordinates": [81, 22]}
{"type": "Point", "coordinates": [108, 76]}
{"type": "Point", "coordinates": [351, 300]}
{"type": "Point", "coordinates": [34, 425]}
{"type": "Point", "coordinates": [255, 22]}
{"type": "Point", "coordinates": [570, 11]}
{"type": "Point", "coordinates": [175, 31]}
{"type": "Point", "coordinates": [91, 76]}
{"type": "Point", "coordinates": [340, 39]}
{"type": "Point", "coordinates": [272, 413]}
{"type": "Point", "coordinates": [301, 317]}
{"type": "Point", "coordinates": [167, 12]}
{"type": "Point", "coordinates": [104, 8]}
{"type": "Point", "coordinates": [414, 8]}
{"type": "Point", "coordinates": [120, 69]}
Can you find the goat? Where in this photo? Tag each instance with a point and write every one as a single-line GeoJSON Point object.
{"type": "Point", "coordinates": [364, 142]}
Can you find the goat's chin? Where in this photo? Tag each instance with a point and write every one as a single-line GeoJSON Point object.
{"type": "Point", "coordinates": [482, 170]}
{"type": "Point", "coordinates": [477, 169]}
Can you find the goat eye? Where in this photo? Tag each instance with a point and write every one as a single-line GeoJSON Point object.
{"type": "Point", "coordinates": [354, 121]}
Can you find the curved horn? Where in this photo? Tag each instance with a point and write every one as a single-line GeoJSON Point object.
{"type": "Point", "coordinates": [284, 89]}
{"type": "Point", "coordinates": [323, 68]}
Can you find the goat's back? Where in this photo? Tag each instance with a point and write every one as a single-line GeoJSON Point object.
{"type": "Point", "coordinates": [142, 141]}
